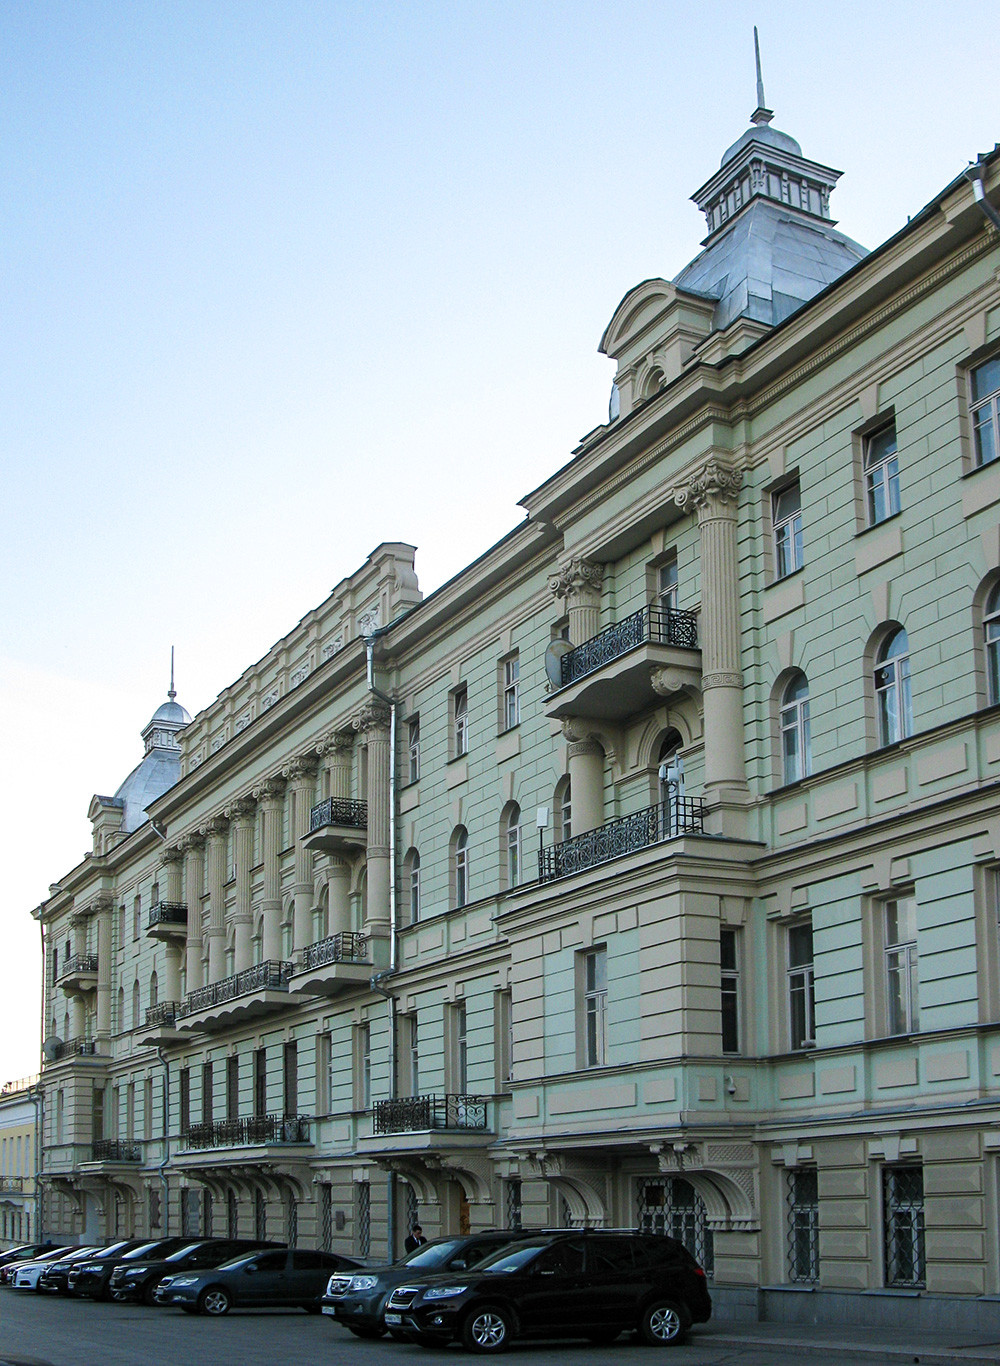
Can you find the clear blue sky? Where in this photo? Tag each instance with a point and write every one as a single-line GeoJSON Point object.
{"type": "Point", "coordinates": [283, 280]}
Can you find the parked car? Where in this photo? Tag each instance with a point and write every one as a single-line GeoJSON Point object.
{"type": "Point", "coordinates": [55, 1275]}
{"type": "Point", "coordinates": [26, 1252]}
{"type": "Point", "coordinates": [137, 1279]}
{"type": "Point", "coordinates": [8, 1272]}
{"type": "Point", "coordinates": [91, 1277]}
{"type": "Point", "coordinates": [28, 1274]}
{"type": "Point", "coordinates": [584, 1284]}
{"type": "Point", "coordinates": [289, 1277]}
{"type": "Point", "coordinates": [358, 1300]}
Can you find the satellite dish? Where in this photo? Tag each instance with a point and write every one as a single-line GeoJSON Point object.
{"type": "Point", "coordinates": [51, 1047]}
{"type": "Point", "coordinates": [554, 654]}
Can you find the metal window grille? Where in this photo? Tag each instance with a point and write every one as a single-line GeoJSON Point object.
{"type": "Point", "coordinates": [292, 1221]}
{"type": "Point", "coordinates": [412, 1211]}
{"type": "Point", "coordinates": [565, 1213]}
{"type": "Point", "coordinates": [903, 1222]}
{"type": "Point", "coordinates": [671, 1205]}
{"type": "Point", "coordinates": [364, 1219]}
{"type": "Point", "coordinates": [206, 1214]}
{"type": "Point", "coordinates": [326, 1216]}
{"type": "Point", "coordinates": [513, 1202]}
{"type": "Point", "coordinates": [232, 1215]}
{"type": "Point", "coordinates": [260, 1217]}
{"type": "Point", "coordinates": [190, 1214]}
{"type": "Point", "coordinates": [154, 1209]}
{"type": "Point", "coordinates": [803, 1224]}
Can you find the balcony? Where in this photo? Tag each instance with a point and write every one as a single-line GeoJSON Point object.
{"type": "Point", "coordinates": [59, 1050]}
{"type": "Point", "coordinates": [427, 1124]}
{"type": "Point", "coordinates": [79, 973]}
{"type": "Point", "coordinates": [161, 1024]}
{"type": "Point", "coordinates": [259, 990]}
{"type": "Point", "coordinates": [168, 921]}
{"type": "Point", "coordinates": [13, 1185]}
{"type": "Point", "coordinates": [337, 826]}
{"type": "Point", "coordinates": [610, 677]}
{"type": "Point", "coordinates": [115, 1150]}
{"type": "Point", "coordinates": [626, 835]}
{"type": "Point", "coordinates": [253, 1131]}
{"type": "Point", "coordinates": [330, 966]}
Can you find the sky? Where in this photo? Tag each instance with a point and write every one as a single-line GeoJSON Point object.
{"type": "Point", "coordinates": [283, 280]}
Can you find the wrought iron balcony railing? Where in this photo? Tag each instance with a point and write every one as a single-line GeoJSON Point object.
{"type": "Point", "coordinates": [270, 976]}
{"type": "Point", "coordinates": [339, 811]}
{"type": "Point", "coordinates": [163, 1013]}
{"type": "Point", "coordinates": [412, 1113]}
{"type": "Point", "coordinates": [167, 913]}
{"type": "Point", "coordinates": [74, 1048]}
{"type": "Point", "coordinates": [253, 1130]}
{"type": "Point", "coordinates": [339, 948]}
{"type": "Point", "coordinates": [657, 625]}
{"type": "Point", "coordinates": [627, 834]}
{"type": "Point", "coordinates": [80, 962]}
{"type": "Point", "coordinates": [114, 1150]}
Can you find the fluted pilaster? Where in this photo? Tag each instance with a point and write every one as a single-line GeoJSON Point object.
{"type": "Point", "coordinates": [193, 846]}
{"type": "Point", "coordinates": [373, 727]}
{"type": "Point", "coordinates": [300, 775]}
{"type": "Point", "coordinates": [215, 859]}
{"type": "Point", "coordinates": [270, 801]}
{"type": "Point", "coordinates": [242, 814]}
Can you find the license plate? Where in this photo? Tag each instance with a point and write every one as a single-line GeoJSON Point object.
{"type": "Point", "coordinates": [394, 1320]}
{"type": "Point", "coordinates": [329, 1309]}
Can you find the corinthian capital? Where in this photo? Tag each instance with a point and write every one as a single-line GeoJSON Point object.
{"type": "Point", "coordinates": [716, 481]}
{"type": "Point", "coordinates": [577, 576]}
{"type": "Point", "coordinates": [374, 715]}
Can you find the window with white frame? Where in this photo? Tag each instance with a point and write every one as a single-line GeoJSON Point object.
{"type": "Point", "coordinates": [412, 1037]}
{"type": "Point", "coordinates": [881, 461]}
{"type": "Point", "coordinates": [786, 521]}
{"type": "Point", "coordinates": [511, 709]}
{"type": "Point", "coordinates": [564, 809]}
{"type": "Point", "coordinates": [460, 1048]}
{"type": "Point", "coordinates": [503, 1038]}
{"type": "Point", "coordinates": [984, 406]}
{"type": "Point", "coordinates": [899, 923]}
{"type": "Point", "coordinates": [413, 749]}
{"type": "Point", "coordinates": [893, 698]}
{"type": "Point", "coordinates": [363, 1066]}
{"type": "Point", "coordinates": [411, 869]}
{"type": "Point", "coordinates": [667, 585]}
{"type": "Point", "coordinates": [594, 1004]}
{"type": "Point", "coordinates": [512, 845]}
{"type": "Point", "coordinates": [136, 917]}
{"type": "Point", "coordinates": [801, 986]}
{"type": "Point", "coordinates": [991, 645]}
{"type": "Point", "coordinates": [460, 866]}
{"type": "Point", "coordinates": [460, 722]}
{"type": "Point", "coordinates": [729, 960]}
{"type": "Point", "coordinates": [796, 748]}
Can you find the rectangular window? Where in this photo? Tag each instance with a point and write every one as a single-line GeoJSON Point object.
{"type": "Point", "coordinates": [594, 1001]}
{"type": "Point", "coordinates": [511, 708]}
{"type": "Point", "coordinates": [413, 748]}
{"type": "Point", "coordinates": [324, 1088]}
{"type": "Point", "coordinates": [136, 917]}
{"type": "Point", "coordinates": [803, 1224]}
{"type": "Point", "coordinates": [900, 930]}
{"type": "Point", "coordinates": [801, 987]}
{"type": "Point", "coordinates": [984, 405]}
{"type": "Point", "coordinates": [207, 1096]}
{"type": "Point", "coordinates": [121, 926]}
{"type": "Point", "coordinates": [290, 1062]}
{"type": "Point", "coordinates": [786, 519]}
{"type": "Point", "coordinates": [881, 462]}
{"type": "Point", "coordinates": [667, 586]}
{"type": "Point", "coordinates": [363, 1066]}
{"type": "Point", "coordinates": [730, 964]}
{"type": "Point", "coordinates": [903, 1221]}
{"type": "Point", "coordinates": [233, 1087]}
{"type": "Point", "coordinates": [130, 1112]}
{"type": "Point", "coordinates": [185, 1093]}
{"type": "Point", "coordinates": [503, 1039]}
{"type": "Point", "coordinates": [460, 722]}
{"type": "Point", "coordinates": [413, 869]}
{"type": "Point", "coordinates": [412, 1044]}
{"type": "Point", "coordinates": [459, 1049]}
{"type": "Point", "coordinates": [260, 1082]}
{"type": "Point", "coordinates": [147, 1108]}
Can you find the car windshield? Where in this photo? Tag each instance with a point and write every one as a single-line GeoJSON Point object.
{"type": "Point", "coordinates": [110, 1251]}
{"type": "Point", "coordinates": [512, 1261]}
{"type": "Point", "coordinates": [143, 1251]}
{"type": "Point", "coordinates": [241, 1260]}
{"type": "Point", "coordinates": [431, 1254]}
{"type": "Point", "coordinates": [184, 1252]}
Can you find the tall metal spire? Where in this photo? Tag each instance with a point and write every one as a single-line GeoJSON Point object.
{"type": "Point", "coordinates": [761, 114]}
{"type": "Point", "coordinates": [172, 692]}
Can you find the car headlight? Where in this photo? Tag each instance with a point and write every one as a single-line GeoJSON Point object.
{"type": "Point", "coordinates": [184, 1280]}
{"type": "Point", "coordinates": [363, 1283]}
{"type": "Point", "coordinates": [90, 1266]}
{"type": "Point", "coordinates": [444, 1292]}
{"type": "Point", "coordinates": [135, 1271]}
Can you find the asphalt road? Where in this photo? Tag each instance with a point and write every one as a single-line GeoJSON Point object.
{"type": "Point", "coordinates": [36, 1330]}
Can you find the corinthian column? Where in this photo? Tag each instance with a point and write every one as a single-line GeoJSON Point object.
{"type": "Point", "coordinates": [714, 493]}
{"type": "Point", "coordinates": [300, 774]}
{"type": "Point", "coordinates": [194, 882]}
{"type": "Point", "coordinates": [242, 814]}
{"type": "Point", "coordinates": [103, 907]}
{"type": "Point", "coordinates": [578, 584]}
{"type": "Point", "coordinates": [585, 756]}
{"type": "Point", "coordinates": [215, 859]}
{"type": "Point", "coordinates": [373, 727]}
{"type": "Point", "coordinates": [335, 752]}
{"type": "Point", "coordinates": [270, 800]}
{"type": "Point", "coordinates": [172, 862]}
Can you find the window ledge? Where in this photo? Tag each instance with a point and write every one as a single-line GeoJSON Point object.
{"type": "Point", "coordinates": [875, 525]}
{"type": "Point", "coordinates": [774, 583]}
{"type": "Point", "coordinates": [978, 469]}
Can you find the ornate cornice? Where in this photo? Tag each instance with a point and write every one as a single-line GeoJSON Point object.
{"type": "Point", "coordinates": [577, 575]}
{"type": "Point", "coordinates": [716, 481]}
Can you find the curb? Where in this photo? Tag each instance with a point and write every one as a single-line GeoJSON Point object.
{"type": "Point", "coordinates": [848, 1350]}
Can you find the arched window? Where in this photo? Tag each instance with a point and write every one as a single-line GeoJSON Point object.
{"type": "Point", "coordinates": [154, 989]}
{"type": "Point", "coordinates": [411, 875]}
{"type": "Point", "coordinates": [991, 644]}
{"type": "Point", "coordinates": [892, 689]}
{"type": "Point", "coordinates": [510, 836]}
{"type": "Point", "coordinates": [796, 754]}
{"type": "Point", "coordinates": [460, 865]}
{"type": "Point", "coordinates": [563, 809]}
{"type": "Point", "coordinates": [135, 1004]}
{"type": "Point", "coordinates": [670, 783]}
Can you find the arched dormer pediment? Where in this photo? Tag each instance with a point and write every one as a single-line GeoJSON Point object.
{"type": "Point", "coordinates": [655, 329]}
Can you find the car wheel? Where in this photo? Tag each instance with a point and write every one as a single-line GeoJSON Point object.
{"type": "Point", "coordinates": [664, 1323]}
{"type": "Point", "coordinates": [360, 1331]}
{"type": "Point", "coordinates": [149, 1293]}
{"type": "Point", "coordinates": [488, 1329]}
{"type": "Point", "coordinates": [601, 1337]}
{"type": "Point", "coordinates": [215, 1301]}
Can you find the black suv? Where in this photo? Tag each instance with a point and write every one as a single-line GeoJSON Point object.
{"type": "Point", "coordinates": [92, 1277]}
{"type": "Point", "coordinates": [357, 1299]}
{"type": "Point", "coordinates": [559, 1285]}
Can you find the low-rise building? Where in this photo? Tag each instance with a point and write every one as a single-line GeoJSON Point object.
{"type": "Point", "coordinates": [19, 1108]}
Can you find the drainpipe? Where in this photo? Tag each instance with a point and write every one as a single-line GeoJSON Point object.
{"type": "Point", "coordinates": [165, 1160]}
{"type": "Point", "coordinates": [380, 977]}
{"type": "Point", "coordinates": [37, 1094]}
{"type": "Point", "coordinates": [976, 174]}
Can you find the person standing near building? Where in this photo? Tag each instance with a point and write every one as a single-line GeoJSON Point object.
{"type": "Point", "coordinates": [414, 1239]}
